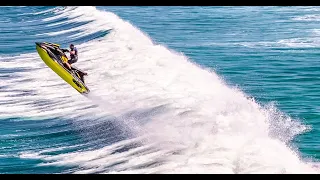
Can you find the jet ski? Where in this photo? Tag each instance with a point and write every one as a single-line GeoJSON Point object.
{"type": "Point", "coordinates": [54, 58]}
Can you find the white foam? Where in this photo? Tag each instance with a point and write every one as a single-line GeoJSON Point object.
{"type": "Point", "coordinates": [300, 42]}
{"type": "Point", "coordinates": [308, 17]}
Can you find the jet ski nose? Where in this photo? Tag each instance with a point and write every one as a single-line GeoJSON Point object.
{"type": "Point", "coordinates": [38, 44]}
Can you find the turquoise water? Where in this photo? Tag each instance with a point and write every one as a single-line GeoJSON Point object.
{"type": "Point", "coordinates": [174, 90]}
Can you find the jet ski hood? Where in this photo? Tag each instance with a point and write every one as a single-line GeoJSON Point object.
{"type": "Point", "coordinates": [46, 44]}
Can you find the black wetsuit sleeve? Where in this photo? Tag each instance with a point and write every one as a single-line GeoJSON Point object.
{"type": "Point", "coordinates": [65, 50]}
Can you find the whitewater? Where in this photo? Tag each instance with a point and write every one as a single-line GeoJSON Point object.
{"type": "Point", "coordinates": [178, 116]}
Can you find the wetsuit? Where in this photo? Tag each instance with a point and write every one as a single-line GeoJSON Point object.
{"type": "Point", "coordinates": [73, 57]}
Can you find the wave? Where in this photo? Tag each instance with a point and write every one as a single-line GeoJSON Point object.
{"type": "Point", "coordinates": [180, 117]}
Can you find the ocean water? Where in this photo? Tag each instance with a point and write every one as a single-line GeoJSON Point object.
{"type": "Point", "coordinates": [173, 90]}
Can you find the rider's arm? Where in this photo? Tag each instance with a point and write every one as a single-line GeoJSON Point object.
{"type": "Point", "coordinates": [65, 50]}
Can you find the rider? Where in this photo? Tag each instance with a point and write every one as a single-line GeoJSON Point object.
{"type": "Point", "coordinates": [73, 54]}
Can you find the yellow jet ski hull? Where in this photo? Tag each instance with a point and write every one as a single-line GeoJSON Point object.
{"type": "Point", "coordinates": [65, 74]}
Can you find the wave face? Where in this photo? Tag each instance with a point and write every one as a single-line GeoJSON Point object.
{"type": "Point", "coordinates": [151, 110]}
